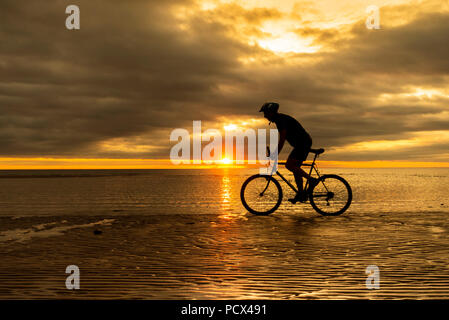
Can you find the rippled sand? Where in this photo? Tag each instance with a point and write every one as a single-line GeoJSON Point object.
{"type": "Point", "coordinates": [226, 256]}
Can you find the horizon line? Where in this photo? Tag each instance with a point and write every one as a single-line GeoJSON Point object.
{"type": "Point", "coordinates": [42, 163]}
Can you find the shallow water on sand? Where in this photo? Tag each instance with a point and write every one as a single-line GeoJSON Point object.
{"type": "Point", "coordinates": [183, 234]}
{"type": "Point", "coordinates": [149, 192]}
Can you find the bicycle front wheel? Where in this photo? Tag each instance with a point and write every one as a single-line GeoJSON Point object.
{"type": "Point", "coordinates": [261, 194]}
{"type": "Point", "coordinates": [331, 196]}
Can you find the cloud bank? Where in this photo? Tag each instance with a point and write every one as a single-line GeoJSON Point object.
{"type": "Point", "coordinates": [136, 70]}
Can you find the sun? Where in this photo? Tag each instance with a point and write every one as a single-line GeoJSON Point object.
{"type": "Point", "coordinates": [226, 161]}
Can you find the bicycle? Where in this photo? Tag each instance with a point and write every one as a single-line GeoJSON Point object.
{"type": "Point", "coordinates": [331, 196]}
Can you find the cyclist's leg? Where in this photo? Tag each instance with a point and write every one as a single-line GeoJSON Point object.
{"type": "Point", "coordinates": [293, 164]}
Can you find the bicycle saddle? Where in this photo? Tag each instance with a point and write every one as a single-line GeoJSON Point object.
{"type": "Point", "coordinates": [317, 151]}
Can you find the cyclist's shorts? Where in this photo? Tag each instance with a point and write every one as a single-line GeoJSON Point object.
{"type": "Point", "coordinates": [300, 152]}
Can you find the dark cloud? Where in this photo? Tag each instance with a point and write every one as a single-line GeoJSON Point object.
{"type": "Point", "coordinates": [127, 71]}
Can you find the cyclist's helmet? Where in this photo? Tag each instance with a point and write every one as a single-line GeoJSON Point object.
{"type": "Point", "coordinates": [270, 106]}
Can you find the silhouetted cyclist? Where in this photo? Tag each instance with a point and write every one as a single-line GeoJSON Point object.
{"type": "Point", "coordinates": [292, 131]}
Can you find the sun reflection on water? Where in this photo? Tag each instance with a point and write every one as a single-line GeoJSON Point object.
{"type": "Point", "coordinates": [225, 196]}
{"type": "Point", "coordinates": [229, 204]}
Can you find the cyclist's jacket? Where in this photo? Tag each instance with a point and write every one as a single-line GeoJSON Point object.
{"type": "Point", "coordinates": [297, 136]}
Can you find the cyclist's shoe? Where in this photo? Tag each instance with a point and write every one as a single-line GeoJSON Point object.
{"type": "Point", "coordinates": [300, 196]}
{"type": "Point", "coordinates": [312, 183]}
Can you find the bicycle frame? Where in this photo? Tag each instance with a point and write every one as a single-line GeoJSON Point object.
{"type": "Point", "coordinates": [312, 167]}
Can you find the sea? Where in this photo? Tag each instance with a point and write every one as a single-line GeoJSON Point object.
{"type": "Point", "coordinates": [205, 191]}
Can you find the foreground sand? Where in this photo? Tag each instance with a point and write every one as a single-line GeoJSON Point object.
{"type": "Point", "coordinates": [282, 256]}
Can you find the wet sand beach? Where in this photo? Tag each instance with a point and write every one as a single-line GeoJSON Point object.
{"type": "Point", "coordinates": [286, 256]}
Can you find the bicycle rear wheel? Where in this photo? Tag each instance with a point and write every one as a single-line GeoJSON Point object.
{"type": "Point", "coordinates": [331, 196]}
{"type": "Point", "coordinates": [261, 194]}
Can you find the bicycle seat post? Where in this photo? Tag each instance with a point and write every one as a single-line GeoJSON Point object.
{"type": "Point", "coordinates": [314, 158]}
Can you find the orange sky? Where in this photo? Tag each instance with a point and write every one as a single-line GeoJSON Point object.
{"type": "Point", "coordinates": [53, 163]}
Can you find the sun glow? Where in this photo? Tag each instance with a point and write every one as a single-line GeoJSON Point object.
{"type": "Point", "coordinates": [226, 161]}
{"type": "Point", "coordinates": [230, 127]}
{"type": "Point", "coordinates": [419, 93]}
{"type": "Point", "coordinates": [420, 139]}
{"type": "Point", "coordinates": [288, 43]}
{"type": "Point", "coordinates": [426, 93]}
